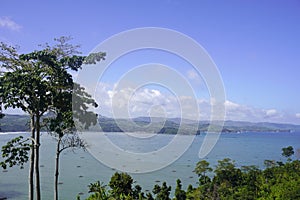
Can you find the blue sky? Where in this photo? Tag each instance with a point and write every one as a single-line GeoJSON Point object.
{"type": "Point", "coordinates": [255, 44]}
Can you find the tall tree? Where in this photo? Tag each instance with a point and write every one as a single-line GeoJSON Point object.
{"type": "Point", "coordinates": [62, 127]}
{"type": "Point", "coordinates": [1, 114]}
{"type": "Point", "coordinates": [35, 82]}
{"type": "Point", "coordinates": [24, 85]}
{"type": "Point", "coordinates": [61, 123]}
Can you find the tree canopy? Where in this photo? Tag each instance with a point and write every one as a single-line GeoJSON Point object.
{"type": "Point", "coordinates": [40, 83]}
{"type": "Point", "coordinates": [227, 182]}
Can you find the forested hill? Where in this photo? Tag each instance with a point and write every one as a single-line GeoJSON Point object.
{"type": "Point", "coordinates": [15, 123]}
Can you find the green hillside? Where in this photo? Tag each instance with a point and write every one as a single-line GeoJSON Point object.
{"type": "Point", "coordinates": [14, 123]}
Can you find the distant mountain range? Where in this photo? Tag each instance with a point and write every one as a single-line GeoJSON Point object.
{"type": "Point", "coordinates": [14, 123]}
{"type": "Point", "coordinates": [171, 126]}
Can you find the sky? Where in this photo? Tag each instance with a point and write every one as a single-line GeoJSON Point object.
{"type": "Point", "coordinates": [254, 44]}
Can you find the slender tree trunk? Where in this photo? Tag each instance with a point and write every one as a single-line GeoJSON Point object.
{"type": "Point", "coordinates": [31, 165]}
{"type": "Point", "coordinates": [57, 169]}
{"type": "Point", "coordinates": [37, 159]}
{"type": "Point", "coordinates": [1, 115]}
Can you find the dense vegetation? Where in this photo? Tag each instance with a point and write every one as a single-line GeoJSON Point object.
{"type": "Point", "coordinates": [277, 181]}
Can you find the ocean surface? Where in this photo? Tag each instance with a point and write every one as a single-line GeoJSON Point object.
{"type": "Point", "coordinates": [79, 168]}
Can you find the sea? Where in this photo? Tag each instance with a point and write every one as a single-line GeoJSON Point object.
{"type": "Point", "coordinates": [79, 168]}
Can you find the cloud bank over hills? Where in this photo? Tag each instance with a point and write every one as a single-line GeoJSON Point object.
{"type": "Point", "coordinates": [153, 102]}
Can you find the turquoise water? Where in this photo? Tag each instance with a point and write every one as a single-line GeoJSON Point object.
{"type": "Point", "coordinates": [79, 168]}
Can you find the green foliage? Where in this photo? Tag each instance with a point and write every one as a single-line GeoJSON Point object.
{"type": "Point", "coordinates": [249, 182]}
{"type": "Point", "coordinates": [229, 182]}
{"type": "Point", "coordinates": [1, 114]}
{"type": "Point", "coordinates": [38, 83]}
{"type": "Point", "coordinates": [93, 58]}
{"type": "Point", "coordinates": [162, 192]}
{"type": "Point", "coordinates": [202, 167]}
{"type": "Point", "coordinates": [149, 196]}
{"type": "Point", "coordinates": [179, 193]}
{"type": "Point", "coordinates": [121, 183]}
{"type": "Point", "coordinates": [99, 191]}
{"type": "Point", "coordinates": [288, 152]}
{"type": "Point", "coordinates": [15, 152]}
{"type": "Point", "coordinates": [137, 193]}
{"type": "Point", "coordinates": [121, 189]}
{"type": "Point", "coordinates": [270, 163]}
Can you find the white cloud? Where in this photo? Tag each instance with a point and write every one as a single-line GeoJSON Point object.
{"type": "Point", "coordinates": [230, 105]}
{"type": "Point", "coordinates": [238, 112]}
{"type": "Point", "coordinates": [146, 101]}
{"type": "Point", "coordinates": [271, 113]}
{"type": "Point", "coordinates": [8, 23]}
{"type": "Point", "coordinates": [153, 102]}
{"type": "Point", "coordinates": [141, 102]}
